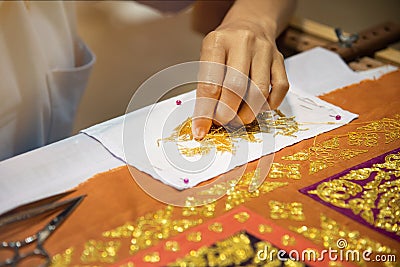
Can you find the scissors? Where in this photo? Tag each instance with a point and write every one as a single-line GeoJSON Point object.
{"type": "Point", "coordinates": [32, 210]}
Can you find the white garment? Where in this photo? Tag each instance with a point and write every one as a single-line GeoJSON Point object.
{"type": "Point", "coordinates": [44, 68]}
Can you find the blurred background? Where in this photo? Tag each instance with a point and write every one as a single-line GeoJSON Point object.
{"type": "Point", "coordinates": [132, 42]}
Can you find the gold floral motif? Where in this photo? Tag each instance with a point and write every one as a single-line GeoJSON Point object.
{"type": "Point", "coordinates": [216, 227]}
{"type": "Point", "coordinates": [323, 155]}
{"type": "Point", "coordinates": [149, 229]}
{"type": "Point", "coordinates": [327, 153]}
{"type": "Point", "coordinates": [379, 194]}
{"type": "Point", "coordinates": [207, 210]}
{"type": "Point", "coordinates": [279, 170]}
{"type": "Point", "coordinates": [222, 139]}
{"type": "Point", "coordinates": [263, 228]}
{"type": "Point", "coordinates": [62, 259]}
{"type": "Point", "coordinates": [128, 264]}
{"type": "Point", "coordinates": [100, 251]}
{"type": "Point", "coordinates": [362, 138]}
{"type": "Point", "coordinates": [194, 237]}
{"type": "Point", "coordinates": [234, 251]}
{"type": "Point", "coordinates": [389, 126]}
{"type": "Point", "coordinates": [231, 251]}
{"type": "Point", "coordinates": [331, 231]}
{"type": "Point", "coordinates": [239, 193]}
{"type": "Point", "coordinates": [172, 246]}
{"type": "Point", "coordinates": [241, 216]}
{"type": "Point", "coordinates": [288, 240]}
{"type": "Point", "coordinates": [124, 231]}
{"type": "Point", "coordinates": [291, 211]}
{"type": "Point", "coordinates": [152, 257]}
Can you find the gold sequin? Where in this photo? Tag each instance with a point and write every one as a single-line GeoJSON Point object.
{"type": "Point", "coordinates": [152, 257]}
{"type": "Point", "coordinates": [263, 228]}
{"type": "Point", "coordinates": [216, 227]}
{"type": "Point", "coordinates": [242, 216]}
{"type": "Point", "coordinates": [291, 211]}
{"type": "Point", "coordinates": [62, 259]}
{"type": "Point", "coordinates": [124, 231]}
{"type": "Point", "coordinates": [234, 251]}
{"type": "Point", "coordinates": [331, 231]}
{"type": "Point", "coordinates": [288, 240]}
{"type": "Point", "coordinates": [231, 251]}
{"type": "Point", "coordinates": [207, 210]}
{"type": "Point", "coordinates": [100, 251]}
{"type": "Point", "coordinates": [149, 229]}
{"type": "Point", "coordinates": [239, 193]}
{"type": "Point", "coordinates": [194, 237]}
{"type": "Point", "coordinates": [172, 246]}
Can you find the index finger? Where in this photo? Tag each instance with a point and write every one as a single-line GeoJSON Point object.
{"type": "Point", "coordinates": [208, 91]}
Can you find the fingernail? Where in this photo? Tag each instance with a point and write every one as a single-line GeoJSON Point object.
{"type": "Point", "coordinates": [199, 133]}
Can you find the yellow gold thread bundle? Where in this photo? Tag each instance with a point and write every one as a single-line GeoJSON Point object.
{"type": "Point", "coordinates": [222, 139]}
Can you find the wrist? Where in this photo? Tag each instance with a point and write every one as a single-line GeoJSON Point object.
{"type": "Point", "coordinates": [244, 13]}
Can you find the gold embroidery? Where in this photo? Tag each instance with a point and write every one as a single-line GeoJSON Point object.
{"type": "Point", "coordinates": [63, 259]}
{"type": "Point", "coordinates": [216, 227]}
{"type": "Point", "coordinates": [263, 228]}
{"type": "Point", "coordinates": [124, 231]}
{"type": "Point", "coordinates": [379, 194]}
{"type": "Point", "coordinates": [291, 171]}
{"type": "Point", "coordinates": [362, 138]}
{"type": "Point", "coordinates": [242, 216]}
{"type": "Point", "coordinates": [288, 240]}
{"type": "Point", "coordinates": [390, 128]}
{"type": "Point", "coordinates": [331, 231]}
{"type": "Point", "coordinates": [172, 246]}
{"type": "Point", "coordinates": [152, 258]}
{"type": "Point", "coordinates": [234, 251]}
{"type": "Point", "coordinates": [292, 211]}
{"type": "Point", "coordinates": [207, 210]}
{"type": "Point", "coordinates": [239, 193]}
{"type": "Point", "coordinates": [151, 228]}
{"type": "Point", "coordinates": [222, 139]}
{"type": "Point", "coordinates": [100, 251]}
{"type": "Point", "coordinates": [128, 264]}
{"type": "Point", "coordinates": [325, 154]}
{"type": "Point", "coordinates": [194, 237]}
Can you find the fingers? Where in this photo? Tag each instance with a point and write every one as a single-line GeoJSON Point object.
{"type": "Point", "coordinates": [234, 85]}
{"type": "Point", "coordinates": [258, 91]}
{"type": "Point", "coordinates": [208, 89]}
{"type": "Point", "coordinates": [279, 82]}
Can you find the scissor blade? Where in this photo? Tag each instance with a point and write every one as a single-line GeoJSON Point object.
{"type": "Point", "coordinates": [60, 218]}
{"type": "Point", "coordinates": [34, 210]}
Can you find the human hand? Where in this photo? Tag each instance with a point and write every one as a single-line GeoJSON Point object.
{"type": "Point", "coordinates": [248, 49]}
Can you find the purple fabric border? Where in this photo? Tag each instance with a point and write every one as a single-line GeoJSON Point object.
{"type": "Point", "coordinates": [348, 212]}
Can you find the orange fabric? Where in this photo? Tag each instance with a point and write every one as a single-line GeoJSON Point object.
{"type": "Point", "coordinates": [114, 198]}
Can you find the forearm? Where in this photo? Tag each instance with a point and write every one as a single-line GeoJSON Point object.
{"type": "Point", "coordinates": [272, 15]}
